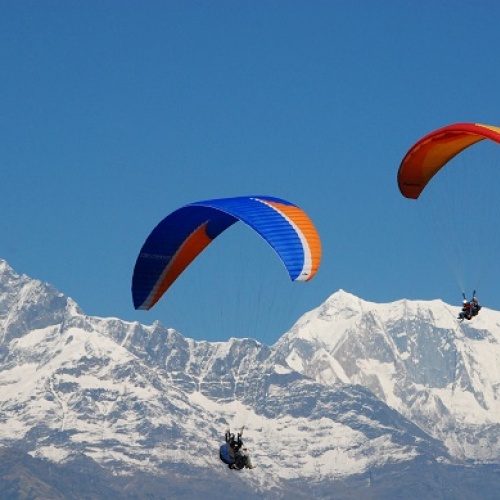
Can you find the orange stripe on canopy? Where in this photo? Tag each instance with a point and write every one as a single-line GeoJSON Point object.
{"type": "Point", "coordinates": [311, 238]}
{"type": "Point", "coordinates": [189, 250]}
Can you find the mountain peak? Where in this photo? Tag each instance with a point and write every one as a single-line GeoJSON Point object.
{"type": "Point", "coordinates": [341, 296]}
{"type": "Point", "coordinates": [6, 271]}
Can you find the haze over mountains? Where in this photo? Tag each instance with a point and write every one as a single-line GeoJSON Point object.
{"type": "Point", "coordinates": [379, 399]}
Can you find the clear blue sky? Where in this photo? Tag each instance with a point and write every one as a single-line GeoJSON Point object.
{"type": "Point", "coordinates": [115, 113]}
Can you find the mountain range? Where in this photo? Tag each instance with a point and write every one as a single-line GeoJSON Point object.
{"type": "Point", "coordinates": [358, 398]}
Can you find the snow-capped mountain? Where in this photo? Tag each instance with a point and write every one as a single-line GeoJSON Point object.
{"type": "Point", "coordinates": [352, 390]}
{"type": "Point", "coordinates": [441, 374]}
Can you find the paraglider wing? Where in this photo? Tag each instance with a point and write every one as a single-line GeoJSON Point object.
{"type": "Point", "coordinates": [436, 149]}
{"type": "Point", "coordinates": [179, 238]}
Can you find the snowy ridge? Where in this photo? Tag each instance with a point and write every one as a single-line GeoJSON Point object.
{"type": "Point", "coordinates": [353, 387]}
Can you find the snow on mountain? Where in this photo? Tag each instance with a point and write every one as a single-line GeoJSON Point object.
{"type": "Point", "coordinates": [355, 389]}
{"type": "Point", "coordinates": [441, 374]}
{"type": "Point", "coordinates": [144, 398]}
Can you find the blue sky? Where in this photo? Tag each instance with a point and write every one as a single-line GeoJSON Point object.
{"type": "Point", "coordinates": [115, 113]}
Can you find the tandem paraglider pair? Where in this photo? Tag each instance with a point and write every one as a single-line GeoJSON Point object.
{"type": "Point", "coordinates": [234, 453]}
{"type": "Point", "coordinates": [470, 308]}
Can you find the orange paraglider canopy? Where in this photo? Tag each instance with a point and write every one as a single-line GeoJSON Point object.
{"type": "Point", "coordinates": [427, 156]}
